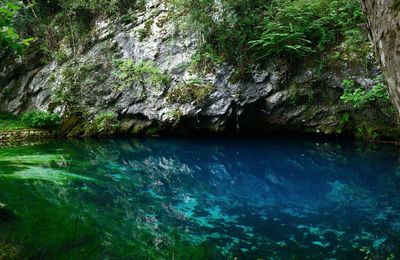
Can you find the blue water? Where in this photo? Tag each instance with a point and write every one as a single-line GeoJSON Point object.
{"type": "Point", "coordinates": [276, 198]}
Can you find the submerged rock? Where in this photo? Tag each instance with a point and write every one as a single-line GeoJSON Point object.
{"type": "Point", "coordinates": [5, 214]}
{"type": "Point", "coordinates": [319, 243]}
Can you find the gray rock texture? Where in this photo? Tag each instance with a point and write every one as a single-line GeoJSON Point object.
{"type": "Point", "coordinates": [275, 97]}
{"type": "Point", "coordinates": [383, 25]}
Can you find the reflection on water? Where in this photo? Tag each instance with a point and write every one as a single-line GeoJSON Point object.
{"type": "Point", "coordinates": [200, 199]}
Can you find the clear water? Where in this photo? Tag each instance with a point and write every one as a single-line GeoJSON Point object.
{"type": "Point", "coordinates": [200, 199]}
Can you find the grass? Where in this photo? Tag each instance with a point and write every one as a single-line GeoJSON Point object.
{"type": "Point", "coordinates": [9, 121]}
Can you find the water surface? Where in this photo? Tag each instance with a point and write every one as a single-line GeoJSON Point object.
{"type": "Point", "coordinates": [272, 198]}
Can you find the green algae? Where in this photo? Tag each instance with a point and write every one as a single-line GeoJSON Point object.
{"type": "Point", "coordinates": [38, 173]}
{"type": "Point", "coordinates": [36, 166]}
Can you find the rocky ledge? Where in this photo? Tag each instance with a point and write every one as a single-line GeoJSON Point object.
{"type": "Point", "coordinates": [24, 134]}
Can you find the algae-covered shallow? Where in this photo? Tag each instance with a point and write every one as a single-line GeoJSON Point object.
{"type": "Point", "coordinates": [200, 199]}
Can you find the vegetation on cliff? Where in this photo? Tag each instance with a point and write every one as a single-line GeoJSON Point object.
{"type": "Point", "coordinates": [234, 31]}
{"type": "Point", "coordinates": [245, 35]}
{"type": "Point", "coordinates": [8, 37]}
{"type": "Point", "coordinates": [32, 119]}
{"type": "Point", "coordinates": [245, 32]}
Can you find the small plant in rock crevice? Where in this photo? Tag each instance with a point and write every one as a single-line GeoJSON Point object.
{"type": "Point", "coordinates": [345, 118]}
{"type": "Point", "coordinates": [175, 116]}
{"type": "Point", "coordinates": [104, 123]}
{"type": "Point", "coordinates": [76, 80]}
{"type": "Point", "coordinates": [128, 73]}
{"type": "Point", "coordinates": [360, 96]}
{"type": "Point", "coordinates": [193, 90]}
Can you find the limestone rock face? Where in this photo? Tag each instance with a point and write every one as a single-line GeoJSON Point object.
{"type": "Point", "coordinates": [383, 24]}
{"type": "Point", "coordinates": [275, 96]}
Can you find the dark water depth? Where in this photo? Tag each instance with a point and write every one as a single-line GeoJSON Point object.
{"type": "Point", "coordinates": [200, 199]}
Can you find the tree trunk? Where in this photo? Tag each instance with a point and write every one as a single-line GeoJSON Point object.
{"type": "Point", "coordinates": [383, 26]}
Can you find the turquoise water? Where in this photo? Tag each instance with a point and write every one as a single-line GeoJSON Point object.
{"type": "Point", "coordinates": [275, 198]}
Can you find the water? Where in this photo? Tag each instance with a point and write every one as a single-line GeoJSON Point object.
{"type": "Point", "coordinates": [200, 199]}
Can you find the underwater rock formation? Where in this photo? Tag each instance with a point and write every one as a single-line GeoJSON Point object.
{"type": "Point", "coordinates": [166, 93]}
{"type": "Point", "coordinates": [168, 197]}
{"type": "Point", "coordinates": [5, 214]}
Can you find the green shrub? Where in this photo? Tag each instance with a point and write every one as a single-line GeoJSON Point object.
{"type": "Point", "coordinates": [106, 121]}
{"type": "Point", "coordinates": [103, 124]}
{"type": "Point", "coordinates": [241, 32]}
{"type": "Point", "coordinates": [8, 36]}
{"type": "Point", "coordinates": [41, 119]}
{"type": "Point", "coordinates": [9, 121]}
{"type": "Point", "coordinates": [360, 96]}
{"type": "Point", "coordinates": [128, 73]}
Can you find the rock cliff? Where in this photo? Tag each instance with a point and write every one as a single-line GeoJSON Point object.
{"type": "Point", "coordinates": [383, 22]}
{"type": "Point", "coordinates": [136, 75]}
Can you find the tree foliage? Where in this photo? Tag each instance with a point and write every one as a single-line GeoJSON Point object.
{"type": "Point", "coordinates": [235, 31]}
{"type": "Point", "coordinates": [8, 36]}
{"type": "Point", "coordinates": [360, 96]}
{"type": "Point", "coordinates": [241, 32]}
{"type": "Point", "coordinates": [41, 119]}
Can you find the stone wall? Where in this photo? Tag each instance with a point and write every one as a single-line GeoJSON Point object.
{"type": "Point", "coordinates": [383, 24]}
{"type": "Point", "coordinates": [14, 135]}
